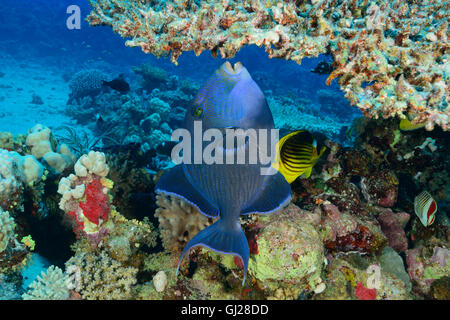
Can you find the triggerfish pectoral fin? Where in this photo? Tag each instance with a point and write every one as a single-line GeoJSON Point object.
{"type": "Point", "coordinates": [276, 195]}
{"type": "Point", "coordinates": [223, 239]}
{"type": "Point", "coordinates": [174, 182]}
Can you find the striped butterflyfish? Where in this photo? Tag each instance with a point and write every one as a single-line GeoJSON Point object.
{"type": "Point", "coordinates": [425, 208]}
{"type": "Point", "coordinates": [296, 155]}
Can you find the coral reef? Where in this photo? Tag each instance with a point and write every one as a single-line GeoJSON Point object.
{"type": "Point", "coordinates": [86, 83]}
{"type": "Point", "coordinates": [289, 251]}
{"type": "Point", "coordinates": [393, 225]}
{"type": "Point", "coordinates": [426, 265]}
{"type": "Point", "coordinates": [50, 285]}
{"type": "Point", "coordinates": [43, 147]}
{"type": "Point", "coordinates": [102, 278]}
{"type": "Point", "coordinates": [390, 57]}
{"type": "Point", "coordinates": [179, 221]}
{"type": "Point", "coordinates": [85, 196]}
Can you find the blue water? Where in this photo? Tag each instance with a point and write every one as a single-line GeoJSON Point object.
{"type": "Point", "coordinates": [36, 29]}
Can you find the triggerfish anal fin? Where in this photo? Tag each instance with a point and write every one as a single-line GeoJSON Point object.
{"type": "Point", "coordinates": [276, 195]}
{"type": "Point", "coordinates": [222, 238]}
{"type": "Point", "coordinates": [174, 182]}
{"type": "Point", "coordinates": [296, 155]}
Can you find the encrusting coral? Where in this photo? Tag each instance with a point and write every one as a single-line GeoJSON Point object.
{"type": "Point", "coordinates": [391, 57]}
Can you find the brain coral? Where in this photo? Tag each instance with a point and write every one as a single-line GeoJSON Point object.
{"type": "Point", "coordinates": [391, 57]}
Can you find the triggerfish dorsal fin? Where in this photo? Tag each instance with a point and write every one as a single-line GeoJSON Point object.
{"type": "Point", "coordinates": [425, 208]}
{"type": "Point", "coordinates": [407, 125]}
{"type": "Point", "coordinates": [296, 155]}
{"type": "Point", "coordinates": [223, 239]}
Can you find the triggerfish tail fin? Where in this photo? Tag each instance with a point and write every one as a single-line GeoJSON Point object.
{"type": "Point", "coordinates": [223, 239]}
{"type": "Point", "coordinates": [407, 125]}
{"type": "Point", "coordinates": [175, 183]}
{"type": "Point", "coordinates": [296, 155]}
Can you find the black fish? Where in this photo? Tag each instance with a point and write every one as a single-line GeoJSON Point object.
{"type": "Point", "coordinates": [323, 68]}
{"type": "Point", "coordinates": [118, 84]}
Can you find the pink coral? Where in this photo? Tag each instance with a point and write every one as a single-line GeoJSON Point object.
{"type": "Point", "coordinates": [392, 225]}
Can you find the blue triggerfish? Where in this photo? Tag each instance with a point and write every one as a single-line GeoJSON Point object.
{"type": "Point", "coordinates": [229, 99]}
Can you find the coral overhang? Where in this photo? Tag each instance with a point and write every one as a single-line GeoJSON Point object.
{"type": "Point", "coordinates": [390, 57]}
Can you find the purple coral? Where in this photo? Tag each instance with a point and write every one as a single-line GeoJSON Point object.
{"type": "Point", "coordinates": [392, 225]}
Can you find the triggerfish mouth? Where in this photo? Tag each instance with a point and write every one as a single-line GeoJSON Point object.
{"type": "Point", "coordinates": [229, 99]}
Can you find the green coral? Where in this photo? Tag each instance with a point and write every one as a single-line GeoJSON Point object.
{"type": "Point", "coordinates": [290, 252]}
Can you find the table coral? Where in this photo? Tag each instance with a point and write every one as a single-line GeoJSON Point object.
{"type": "Point", "coordinates": [391, 57]}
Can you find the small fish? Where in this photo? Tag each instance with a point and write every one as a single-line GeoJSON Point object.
{"type": "Point", "coordinates": [118, 84]}
{"type": "Point", "coordinates": [323, 67]}
{"type": "Point", "coordinates": [407, 125]}
{"type": "Point", "coordinates": [425, 208]}
{"type": "Point", "coordinates": [296, 155]}
{"type": "Point", "coordinates": [229, 99]}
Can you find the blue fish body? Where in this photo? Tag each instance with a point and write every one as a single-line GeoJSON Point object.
{"type": "Point", "coordinates": [229, 99]}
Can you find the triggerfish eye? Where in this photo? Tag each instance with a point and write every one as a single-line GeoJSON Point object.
{"type": "Point", "coordinates": [425, 208]}
{"type": "Point", "coordinates": [197, 112]}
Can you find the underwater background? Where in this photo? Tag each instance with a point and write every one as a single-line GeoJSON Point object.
{"type": "Point", "coordinates": [85, 125]}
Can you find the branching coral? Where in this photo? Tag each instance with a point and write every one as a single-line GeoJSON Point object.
{"type": "Point", "coordinates": [50, 285]}
{"type": "Point", "coordinates": [391, 57]}
{"type": "Point", "coordinates": [102, 278]}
